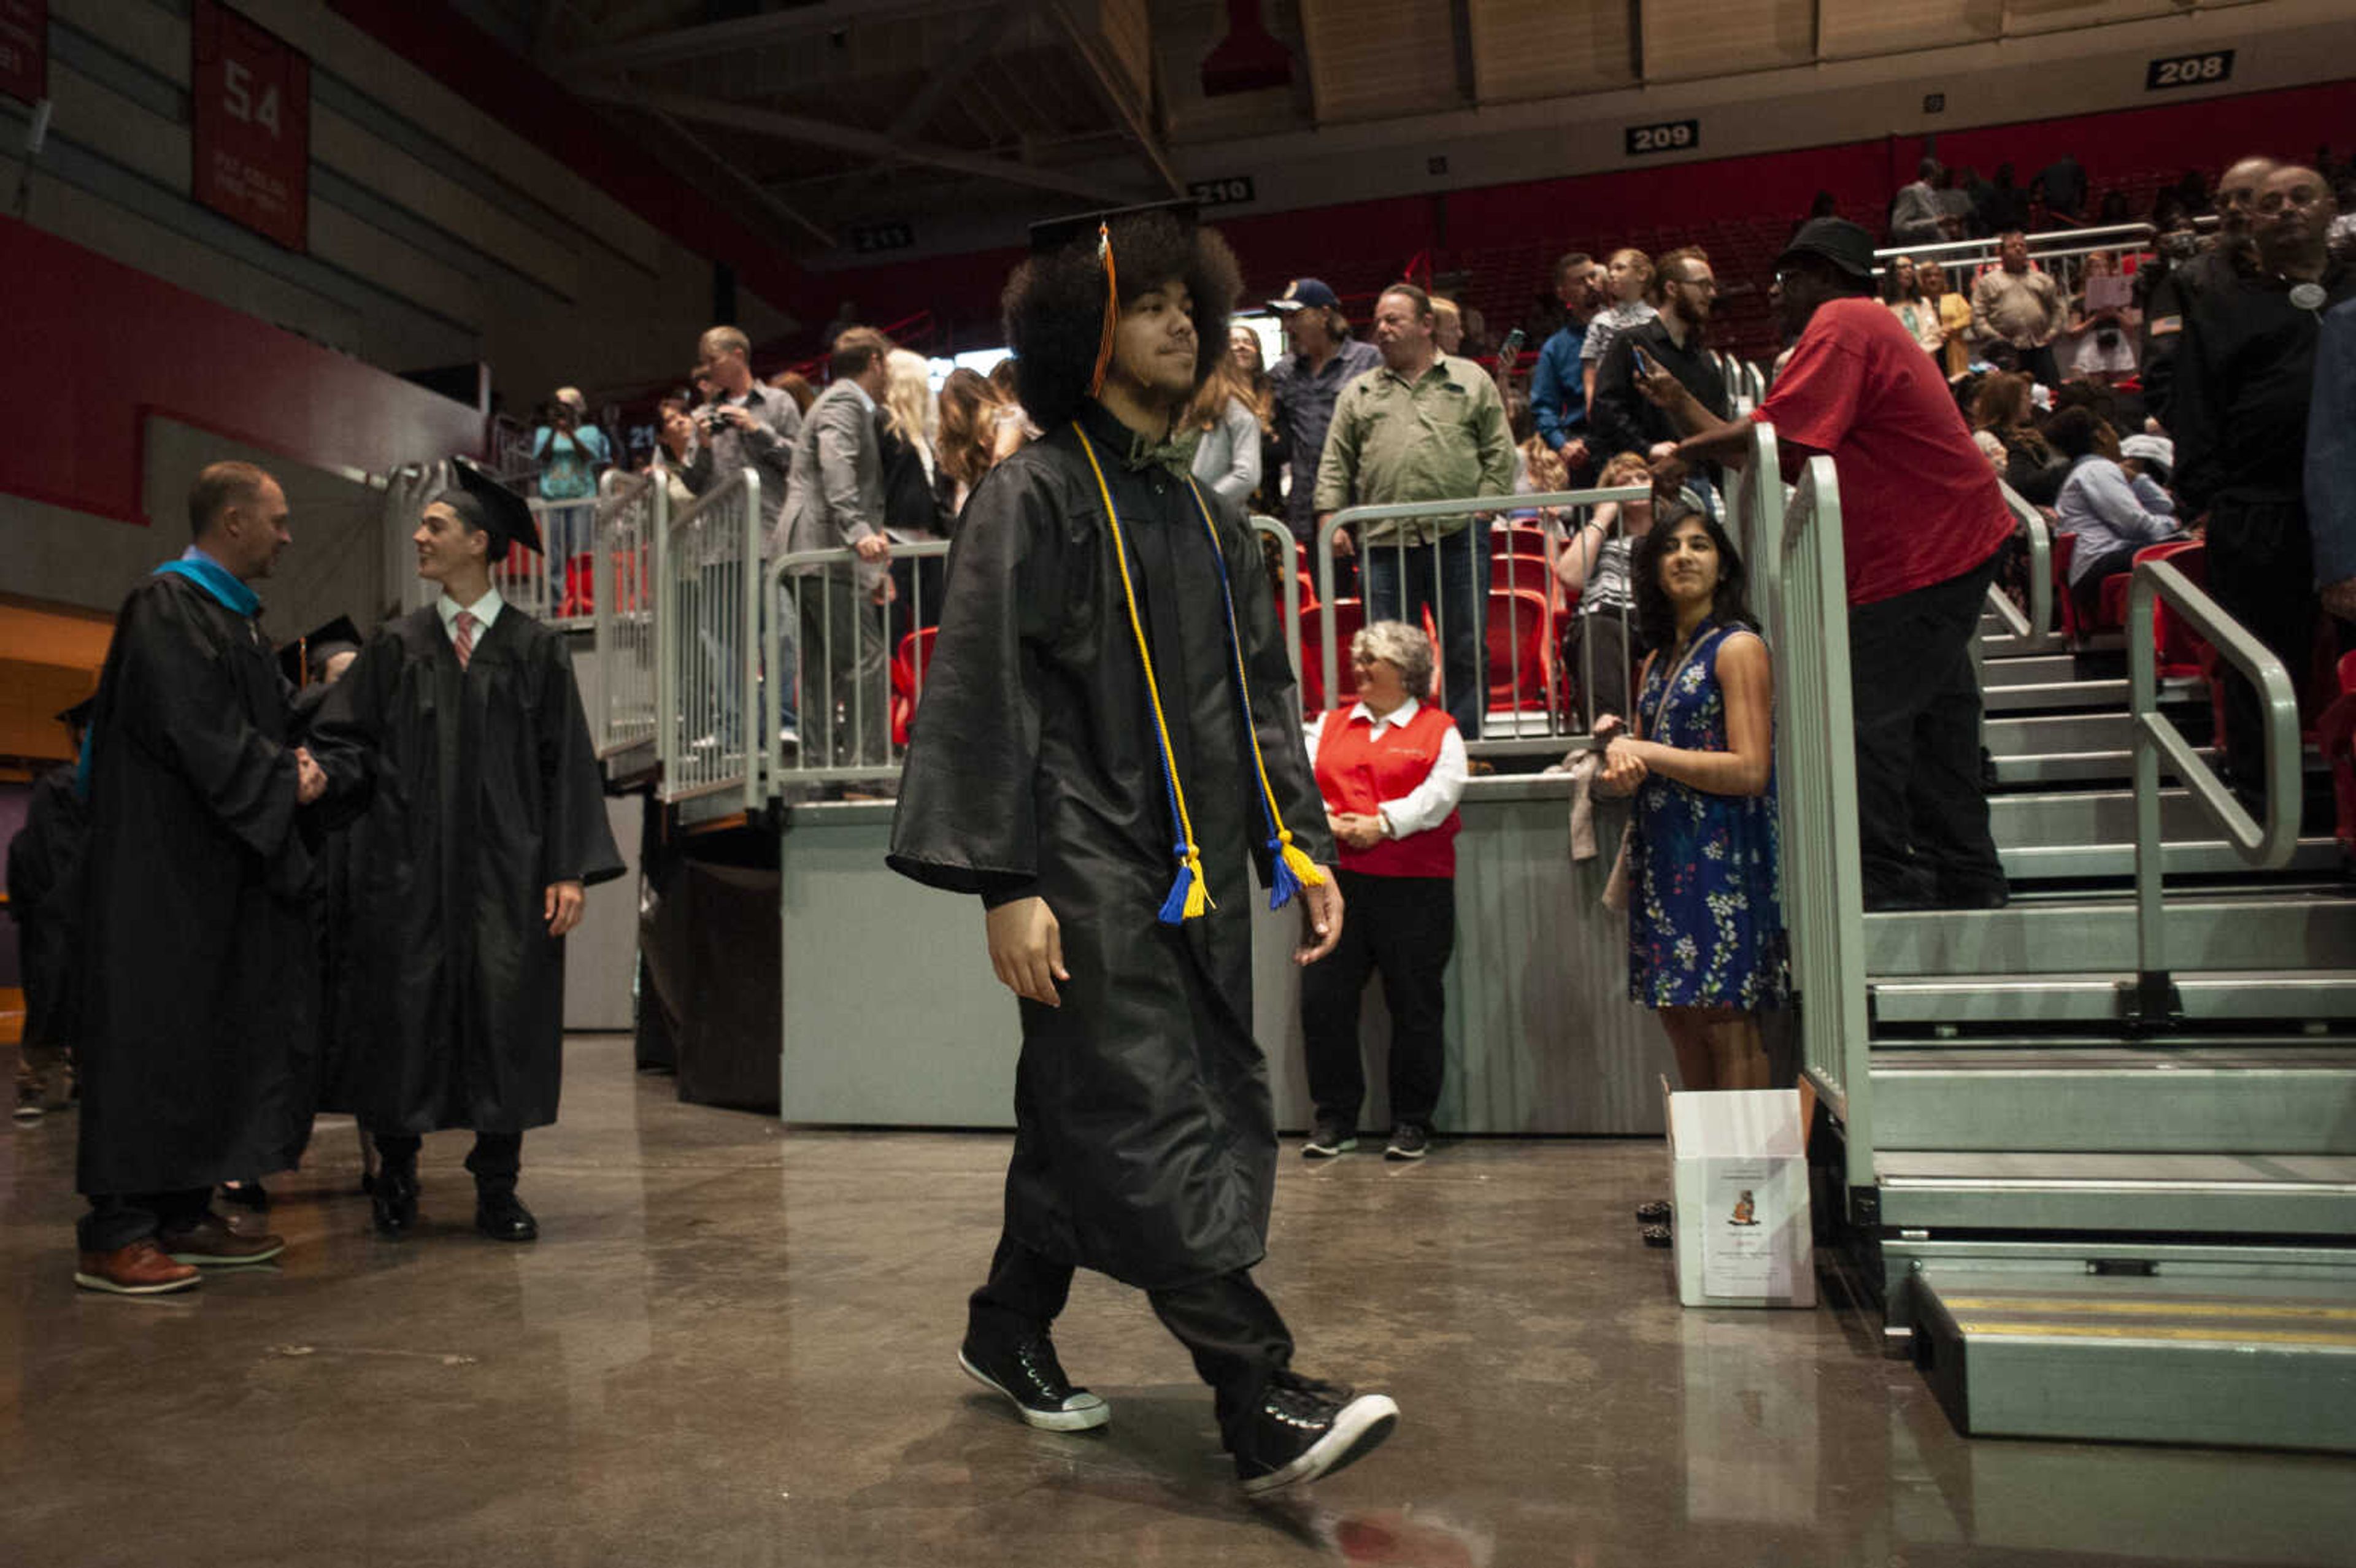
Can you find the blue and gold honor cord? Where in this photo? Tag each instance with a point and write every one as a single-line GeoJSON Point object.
{"type": "Point", "coordinates": [1190, 895]}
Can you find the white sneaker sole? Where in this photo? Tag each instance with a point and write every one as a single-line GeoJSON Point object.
{"type": "Point", "coordinates": [1358, 1431]}
{"type": "Point", "coordinates": [99, 1282]}
{"type": "Point", "coordinates": [207, 1260]}
{"type": "Point", "coordinates": [1313, 1149]}
{"type": "Point", "coordinates": [1081, 1412]}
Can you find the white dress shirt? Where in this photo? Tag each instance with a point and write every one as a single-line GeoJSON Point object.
{"type": "Point", "coordinates": [485, 611]}
{"type": "Point", "coordinates": [1426, 806]}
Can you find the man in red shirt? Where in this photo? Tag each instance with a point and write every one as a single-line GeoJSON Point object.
{"type": "Point", "coordinates": [1921, 520]}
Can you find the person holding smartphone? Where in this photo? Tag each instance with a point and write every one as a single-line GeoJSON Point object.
{"type": "Point", "coordinates": [1675, 341]}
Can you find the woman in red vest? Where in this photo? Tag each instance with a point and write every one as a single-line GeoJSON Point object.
{"type": "Point", "coordinates": [1391, 770]}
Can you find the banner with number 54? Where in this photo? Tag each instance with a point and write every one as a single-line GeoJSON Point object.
{"type": "Point", "coordinates": [252, 122]}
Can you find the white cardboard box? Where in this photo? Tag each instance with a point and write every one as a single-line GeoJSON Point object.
{"type": "Point", "coordinates": [1738, 1174]}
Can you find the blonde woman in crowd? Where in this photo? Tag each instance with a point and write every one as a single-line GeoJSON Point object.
{"type": "Point", "coordinates": [912, 505]}
{"type": "Point", "coordinates": [973, 437]}
{"type": "Point", "coordinates": [1227, 450]}
{"type": "Point", "coordinates": [1955, 316]}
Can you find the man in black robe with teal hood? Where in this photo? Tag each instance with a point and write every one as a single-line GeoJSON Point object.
{"type": "Point", "coordinates": [1110, 744]}
{"type": "Point", "coordinates": [195, 977]}
{"type": "Point", "coordinates": [461, 725]}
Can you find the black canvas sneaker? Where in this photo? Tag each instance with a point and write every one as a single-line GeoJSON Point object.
{"type": "Point", "coordinates": [1306, 1429]}
{"type": "Point", "coordinates": [1409, 1140]}
{"type": "Point", "coordinates": [1327, 1138]}
{"type": "Point", "coordinates": [1029, 1374]}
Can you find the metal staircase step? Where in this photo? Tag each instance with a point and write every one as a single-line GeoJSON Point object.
{"type": "Point", "coordinates": [2051, 695]}
{"type": "Point", "coordinates": [2246, 1195]}
{"type": "Point", "coordinates": [2049, 669]}
{"type": "Point", "coordinates": [2259, 1362]}
{"type": "Point", "coordinates": [2284, 1098]}
{"type": "Point", "coordinates": [2295, 995]}
{"type": "Point", "coordinates": [2249, 931]}
{"type": "Point", "coordinates": [2025, 735]}
{"type": "Point", "coordinates": [2061, 817]}
{"type": "Point", "coordinates": [2209, 858]}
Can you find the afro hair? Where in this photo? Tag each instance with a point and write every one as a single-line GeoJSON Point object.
{"type": "Point", "coordinates": [1055, 306]}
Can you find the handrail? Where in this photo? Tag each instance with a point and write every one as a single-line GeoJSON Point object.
{"type": "Point", "coordinates": [1795, 552]}
{"type": "Point", "coordinates": [797, 565]}
{"type": "Point", "coordinates": [2052, 243]}
{"type": "Point", "coordinates": [631, 511]}
{"type": "Point", "coordinates": [1406, 511]}
{"type": "Point", "coordinates": [742, 489]}
{"type": "Point", "coordinates": [2034, 632]}
{"type": "Point", "coordinates": [2267, 845]}
{"type": "Point", "coordinates": [1264, 526]}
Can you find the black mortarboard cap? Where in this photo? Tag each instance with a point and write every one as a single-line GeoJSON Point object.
{"type": "Point", "coordinates": [301, 659]}
{"type": "Point", "coordinates": [1055, 233]}
{"type": "Point", "coordinates": [489, 505]}
{"type": "Point", "coordinates": [77, 716]}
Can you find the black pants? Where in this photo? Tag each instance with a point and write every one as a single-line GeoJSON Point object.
{"type": "Point", "coordinates": [2042, 368]}
{"type": "Point", "coordinates": [118, 1219]}
{"type": "Point", "coordinates": [1402, 928]}
{"type": "Point", "coordinates": [2261, 570]}
{"type": "Point", "coordinates": [846, 683]}
{"type": "Point", "coordinates": [1922, 817]}
{"type": "Point", "coordinates": [1615, 647]}
{"type": "Point", "coordinates": [1231, 1330]}
{"type": "Point", "coordinates": [2087, 592]}
{"type": "Point", "coordinates": [495, 1159]}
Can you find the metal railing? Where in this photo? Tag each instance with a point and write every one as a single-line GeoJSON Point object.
{"type": "Point", "coordinates": [1800, 590]}
{"type": "Point", "coordinates": [2266, 845]}
{"type": "Point", "coordinates": [1535, 717]}
{"type": "Point", "coordinates": [856, 666]}
{"type": "Point", "coordinates": [707, 662]}
{"type": "Point", "coordinates": [630, 515]}
{"type": "Point", "coordinates": [1288, 592]}
{"type": "Point", "coordinates": [2031, 632]}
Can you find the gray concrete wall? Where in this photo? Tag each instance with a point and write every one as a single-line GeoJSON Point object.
{"type": "Point", "coordinates": [891, 1016]}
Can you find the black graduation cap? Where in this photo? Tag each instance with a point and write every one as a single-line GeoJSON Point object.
{"type": "Point", "coordinates": [1084, 227]}
{"type": "Point", "coordinates": [489, 505]}
{"type": "Point", "coordinates": [77, 716]}
{"type": "Point", "coordinates": [1055, 233]}
{"type": "Point", "coordinates": [305, 658]}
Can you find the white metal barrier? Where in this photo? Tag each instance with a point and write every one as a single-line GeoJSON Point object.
{"type": "Point", "coordinates": [1504, 570]}
{"type": "Point", "coordinates": [853, 666]}
{"type": "Point", "coordinates": [631, 514]}
{"type": "Point", "coordinates": [1800, 590]}
{"type": "Point", "coordinates": [707, 567]}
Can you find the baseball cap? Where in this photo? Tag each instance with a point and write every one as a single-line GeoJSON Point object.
{"type": "Point", "coordinates": [1836, 239]}
{"type": "Point", "coordinates": [1303, 292]}
{"type": "Point", "coordinates": [2150, 449]}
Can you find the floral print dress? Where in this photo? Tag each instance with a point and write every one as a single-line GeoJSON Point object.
{"type": "Point", "coordinates": [1705, 908]}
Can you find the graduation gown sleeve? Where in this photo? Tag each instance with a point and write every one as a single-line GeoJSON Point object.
{"type": "Point", "coordinates": [967, 819]}
{"type": "Point", "coordinates": [1276, 701]}
{"type": "Point", "coordinates": [577, 843]}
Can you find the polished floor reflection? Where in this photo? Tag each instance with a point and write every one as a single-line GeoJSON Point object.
{"type": "Point", "coordinates": [735, 1346]}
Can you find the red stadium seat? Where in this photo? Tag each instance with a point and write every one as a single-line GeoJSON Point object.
{"type": "Point", "coordinates": [1345, 615]}
{"type": "Point", "coordinates": [1528, 572]}
{"type": "Point", "coordinates": [2065, 549]}
{"type": "Point", "coordinates": [1521, 644]}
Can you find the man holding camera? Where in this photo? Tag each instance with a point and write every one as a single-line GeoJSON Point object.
{"type": "Point", "coordinates": [743, 425]}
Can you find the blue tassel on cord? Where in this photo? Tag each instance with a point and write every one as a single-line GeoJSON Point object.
{"type": "Point", "coordinates": [1173, 908]}
{"type": "Point", "coordinates": [1283, 884]}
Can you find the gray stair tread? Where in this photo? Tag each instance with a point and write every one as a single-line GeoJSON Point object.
{"type": "Point", "coordinates": [2160, 1058]}
{"type": "Point", "coordinates": [2199, 1296]}
{"type": "Point", "coordinates": [1967, 1168]}
{"type": "Point", "coordinates": [2205, 933]}
{"type": "Point", "coordinates": [2107, 694]}
{"type": "Point", "coordinates": [2040, 670]}
{"type": "Point", "coordinates": [2096, 997]}
{"type": "Point", "coordinates": [2187, 858]}
{"type": "Point", "coordinates": [2062, 731]}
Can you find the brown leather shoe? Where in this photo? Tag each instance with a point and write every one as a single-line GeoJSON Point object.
{"type": "Point", "coordinates": [139, 1269]}
{"type": "Point", "coordinates": [210, 1243]}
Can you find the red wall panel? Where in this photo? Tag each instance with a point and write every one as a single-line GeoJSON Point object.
{"type": "Point", "coordinates": [93, 347]}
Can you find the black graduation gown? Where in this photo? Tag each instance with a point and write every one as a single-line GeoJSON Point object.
{"type": "Point", "coordinates": [197, 985]}
{"type": "Point", "coordinates": [43, 882]}
{"type": "Point", "coordinates": [330, 1071]}
{"type": "Point", "coordinates": [484, 788]}
{"type": "Point", "coordinates": [1145, 1141]}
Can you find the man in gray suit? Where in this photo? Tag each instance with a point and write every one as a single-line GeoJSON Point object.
{"type": "Point", "coordinates": [834, 498]}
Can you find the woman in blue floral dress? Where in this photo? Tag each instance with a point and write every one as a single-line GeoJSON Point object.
{"type": "Point", "coordinates": [1705, 919]}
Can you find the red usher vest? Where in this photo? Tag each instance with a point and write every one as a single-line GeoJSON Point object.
{"type": "Point", "coordinates": [1356, 772]}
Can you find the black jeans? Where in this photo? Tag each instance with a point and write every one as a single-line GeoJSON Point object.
{"type": "Point", "coordinates": [495, 1159]}
{"type": "Point", "coordinates": [2261, 571]}
{"type": "Point", "coordinates": [1450, 579]}
{"type": "Point", "coordinates": [1923, 817]}
{"type": "Point", "coordinates": [846, 685]}
{"type": "Point", "coordinates": [2087, 592]}
{"type": "Point", "coordinates": [1402, 928]}
{"type": "Point", "coordinates": [118, 1219]}
{"type": "Point", "coordinates": [1231, 1330]}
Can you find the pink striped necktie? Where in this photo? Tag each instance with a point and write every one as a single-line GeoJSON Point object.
{"type": "Point", "coordinates": [465, 640]}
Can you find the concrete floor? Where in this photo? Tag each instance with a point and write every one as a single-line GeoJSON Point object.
{"type": "Point", "coordinates": [735, 1346]}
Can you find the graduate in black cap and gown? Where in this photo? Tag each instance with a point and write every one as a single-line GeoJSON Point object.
{"type": "Point", "coordinates": [486, 821]}
{"type": "Point", "coordinates": [1110, 745]}
{"type": "Point", "coordinates": [44, 879]}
